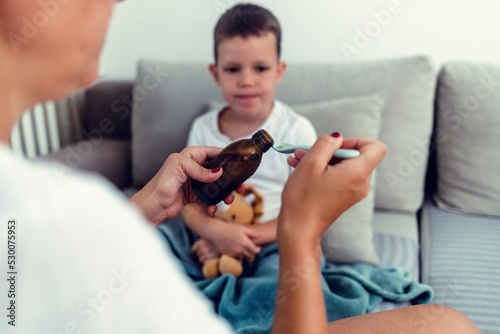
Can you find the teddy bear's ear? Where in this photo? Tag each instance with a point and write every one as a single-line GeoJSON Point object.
{"type": "Point", "coordinates": [223, 211]}
{"type": "Point", "coordinates": [222, 206]}
{"type": "Point", "coordinates": [250, 198]}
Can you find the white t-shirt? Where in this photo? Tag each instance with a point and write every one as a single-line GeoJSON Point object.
{"type": "Point", "coordinates": [86, 261]}
{"type": "Point", "coordinates": [284, 125]}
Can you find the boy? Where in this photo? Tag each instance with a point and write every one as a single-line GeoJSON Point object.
{"type": "Point", "coordinates": [247, 68]}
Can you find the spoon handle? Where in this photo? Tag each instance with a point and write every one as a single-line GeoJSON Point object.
{"type": "Point", "coordinates": [344, 153]}
{"type": "Point", "coordinates": [341, 153]}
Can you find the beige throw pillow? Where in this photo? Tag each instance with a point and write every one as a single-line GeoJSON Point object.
{"type": "Point", "coordinates": [350, 238]}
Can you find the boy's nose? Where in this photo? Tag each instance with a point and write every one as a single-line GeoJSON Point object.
{"type": "Point", "coordinates": [246, 79]}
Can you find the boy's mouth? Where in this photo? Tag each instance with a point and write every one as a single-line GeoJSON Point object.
{"type": "Point", "coordinates": [246, 97]}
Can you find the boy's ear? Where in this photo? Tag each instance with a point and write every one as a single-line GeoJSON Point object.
{"type": "Point", "coordinates": [281, 71]}
{"type": "Point", "coordinates": [213, 71]}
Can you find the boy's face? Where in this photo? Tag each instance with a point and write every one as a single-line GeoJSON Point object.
{"type": "Point", "coordinates": [247, 72]}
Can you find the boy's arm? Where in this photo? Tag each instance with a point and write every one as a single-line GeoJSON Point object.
{"type": "Point", "coordinates": [268, 232]}
{"type": "Point", "coordinates": [197, 221]}
{"type": "Point", "coordinates": [231, 239]}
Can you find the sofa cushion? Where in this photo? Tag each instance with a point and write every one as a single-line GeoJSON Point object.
{"type": "Point", "coordinates": [168, 96]}
{"type": "Point", "coordinates": [396, 243]}
{"type": "Point", "coordinates": [350, 239]}
{"type": "Point", "coordinates": [467, 137]}
{"type": "Point", "coordinates": [460, 262]}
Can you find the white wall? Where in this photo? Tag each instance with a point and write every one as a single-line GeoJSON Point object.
{"type": "Point", "coordinates": [313, 30]}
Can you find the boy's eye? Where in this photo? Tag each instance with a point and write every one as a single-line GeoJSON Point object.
{"type": "Point", "coordinates": [262, 68]}
{"type": "Point", "coordinates": [231, 69]}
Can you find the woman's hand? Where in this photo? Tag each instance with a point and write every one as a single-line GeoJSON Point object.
{"type": "Point", "coordinates": [316, 193]}
{"type": "Point", "coordinates": [169, 190]}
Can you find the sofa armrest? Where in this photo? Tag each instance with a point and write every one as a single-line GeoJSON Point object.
{"type": "Point", "coordinates": [107, 110]}
{"type": "Point", "coordinates": [107, 157]}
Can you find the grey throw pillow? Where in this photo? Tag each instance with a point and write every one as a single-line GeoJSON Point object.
{"type": "Point", "coordinates": [350, 238]}
{"type": "Point", "coordinates": [467, 137]}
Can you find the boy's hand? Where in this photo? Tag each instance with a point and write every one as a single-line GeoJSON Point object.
{"type": "Point", "coordinates": [205, 250]}
{"type": "Point", "coordinates": [233, 239]}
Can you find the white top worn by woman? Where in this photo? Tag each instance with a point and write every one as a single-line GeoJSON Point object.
{"type": "Point", "coordinates": [87, 261]}
{"type": "Point", "coordinates": [284, 125]}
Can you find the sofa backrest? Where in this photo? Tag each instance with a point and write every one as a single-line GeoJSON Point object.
{"type": "Point", "coordinates": [168, 96]}
{"type": "Point", "coordinates": [466, 138]}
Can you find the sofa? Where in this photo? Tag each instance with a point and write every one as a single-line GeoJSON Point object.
{"type": "Point", "coordinates": [434, 204]}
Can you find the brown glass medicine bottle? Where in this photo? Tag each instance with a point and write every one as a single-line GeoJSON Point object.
{"type": "Point", "coordinates": [239, 160]}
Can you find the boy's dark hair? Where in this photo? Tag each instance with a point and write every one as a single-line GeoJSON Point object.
{"type": "Point", "coordinates": [246, 20]}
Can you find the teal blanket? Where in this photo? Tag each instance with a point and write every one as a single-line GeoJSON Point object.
{"type": "Point", "coordinates": [247, 302]}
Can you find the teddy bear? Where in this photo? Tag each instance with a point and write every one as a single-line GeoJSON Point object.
{"type": "Point", "coordinates": [246, 209]}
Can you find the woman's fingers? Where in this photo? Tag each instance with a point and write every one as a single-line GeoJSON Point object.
{"type": "Point", "coordinates": [321, 152]}
{"type": "Point", "coordinates": [201, 154]}
{"type": "Point", "coordinates": [372, 151]}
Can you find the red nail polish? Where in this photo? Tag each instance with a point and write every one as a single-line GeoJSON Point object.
{"type": "Point", "coordinates": [335, 134]}
{"type": "Point", "coordinates": [216, 170]}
